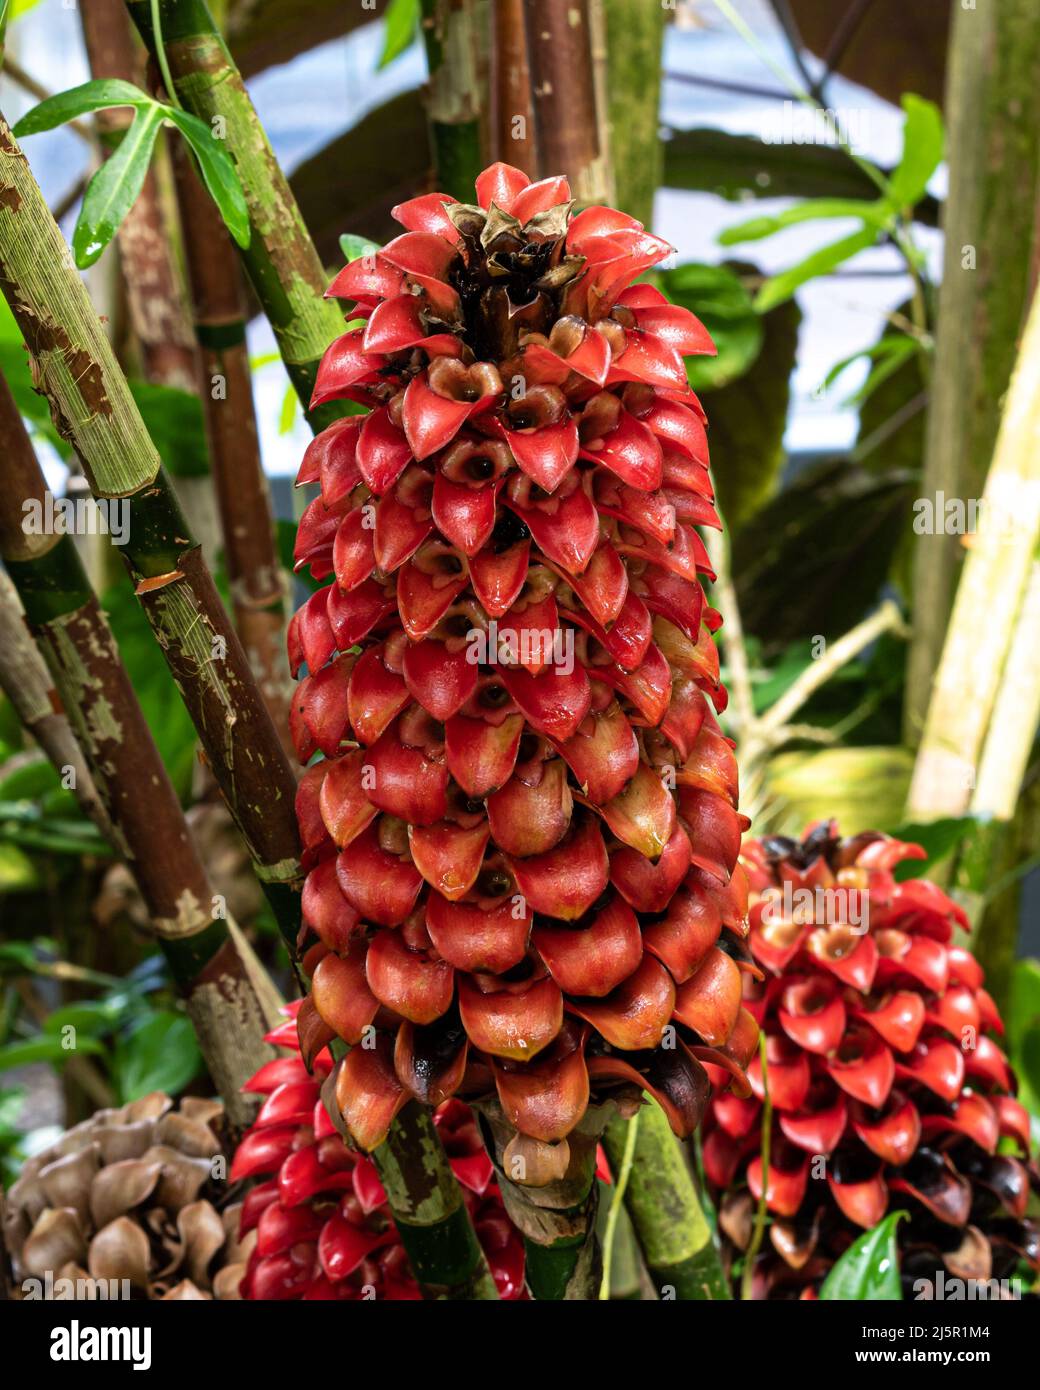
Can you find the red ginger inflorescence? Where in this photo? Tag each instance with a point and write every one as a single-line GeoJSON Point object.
{"type": "Point", "coordinates": [323, 1228]}
{"type": "Point", "coordinates": [522, 836]}
{"type": "Point", "coordinates": [887, 1091]}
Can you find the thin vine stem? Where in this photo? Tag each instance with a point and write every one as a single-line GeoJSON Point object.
{"type": "Point", "coordinates": [755, 1243]}
{"type": "Point", "coordinates": [160, 56]}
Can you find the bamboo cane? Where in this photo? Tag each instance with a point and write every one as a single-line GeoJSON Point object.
{"type": "Point", "coordinates": [257, 586]}
{"type": "Point", "coordinates": [662, 1203]}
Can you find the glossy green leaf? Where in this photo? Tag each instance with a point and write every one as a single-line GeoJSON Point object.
{"type": "Point", "coordinates": [160, 1054]}
{"type": "Point", "coordinates": [869, 1269]}
{"type": "Point", "coordinates": [113, 190]}
{"type": "Point", "coordinates": [923, 141]}
{"type": "Point", "coordinates": [18, 873]}
{"type": "Point", "coordinates": [815, 210]}
{"type": "Point", "coordinates": [402, 23]}
{"type": "Point", "coordinates": [218, 172]}
{"type": "Point", "coordinates": [821, 262]}
{"type": "Point", "coordinates": [938, 838]}
{"type": "Point", "coordinates": [98, 95]}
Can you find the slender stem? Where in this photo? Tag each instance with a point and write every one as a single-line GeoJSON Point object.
{"type": "Point", "coordinates": [150, 275]}
{"type": "Point", "coordinates": [662, 1202]}
{"type": "Point", "coordinates": [430, 1212]}
{"type": "Point", "coordinates": [992, 111]}
{"type": "Point", "coordinates": [617, 1200]}
{"type": "Point", "coordinates": [160, 54]}
{"type": "Point", "coordinates": [631, 102]}
{"type": "Point", "coordinates": [758, 1231]}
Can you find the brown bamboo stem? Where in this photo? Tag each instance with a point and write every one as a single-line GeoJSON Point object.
{"type": "Point", "coordinates": [254, 571]}
{"type": "Point", "coordinates": [559, 47]}
{"type": "Point", "coordinates": [512, 115]}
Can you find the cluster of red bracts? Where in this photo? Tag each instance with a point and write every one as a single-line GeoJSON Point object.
{"type": "Point", "coordinates": [324, 1230]}
{"type": "Point", "coordinates": [522, 834]}
{"type": "Point", "coordinates": [885, 1087]}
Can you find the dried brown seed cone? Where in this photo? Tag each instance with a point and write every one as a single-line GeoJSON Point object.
{"type": "Point", "coordinates": [139, 1194]}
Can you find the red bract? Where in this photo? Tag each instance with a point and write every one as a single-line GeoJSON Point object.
{"type": "Point", "coordinates": [523, 849]}
{"type": "Point", "coordinates": [886, 1091]}
{"type": "Point", "coordinates": [324, 1230]}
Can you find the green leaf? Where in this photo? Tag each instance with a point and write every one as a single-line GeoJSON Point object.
{"type": "Point", "coordinates": [402, 22]}
{"type": "Point", "coordinates": [45, 1048]}
{"type": "Point", "coordinates": [756, 228]}
{"type": "Point", "coordinates": [869, 1269]}
{"type": "Point", "coordinates": [821, 262]}
{"type": "Point", "coordinates": [92, 1017]}
{"type": "Point", "coordinates": [1023, 1010]}
{"type": "Point", "coordinates": [98, 95]}
{"type": "Point", "coordinates": [923, 141]}
{"type": "Point", "coordinates": [720, 299]}
{"type": "Point", "coordinates": [17, 871]}
{"type": "Point", "coordinates": [287, 414]}
{"type": "Point", "coordinates": [174, 421]}
{"type": "Point", "coordinates": [159, 1054]}
{"type": "Point", "coordinates": [897, 350]}
{"type": "Point", "coordinates": [354, 247]}
{"type": "Point", "coordinates": [113, 190]}
{"type": "Point", "coordinates": [218, 172]}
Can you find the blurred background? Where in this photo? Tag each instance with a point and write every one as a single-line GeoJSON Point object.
{"type": "Point", "coordinates": [802, 157]}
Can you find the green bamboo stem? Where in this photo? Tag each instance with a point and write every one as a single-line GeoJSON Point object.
{"type": "Point", "coordinates": [662, 1202]}
{"type": "Point", "coordinates": [635, 33]}
{"type": "Point", "coordinates": [453, 102]}
{"type": "Point", "coordinates": [430, 1212]}
{"type": "Point", "coordinates": [992, 111]}
{"type": "Point", "coordinates": [280, 260]}
{"type": "Point", "coordinates": [228, 999]}
{"type": "Point", "coordinates": [89, 397]}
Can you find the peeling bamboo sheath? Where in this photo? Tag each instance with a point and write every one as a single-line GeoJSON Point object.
{"type": "Point", "coordinates": [148, 828]}
{"type": "Point", "coordinates": [993, 585]}
{"type": "Point", "coordinates": [280, 260]}
{"type": "Point", "coordinates": [73, 363]}
{"type": "Point", "coordinates": [257, 587]}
